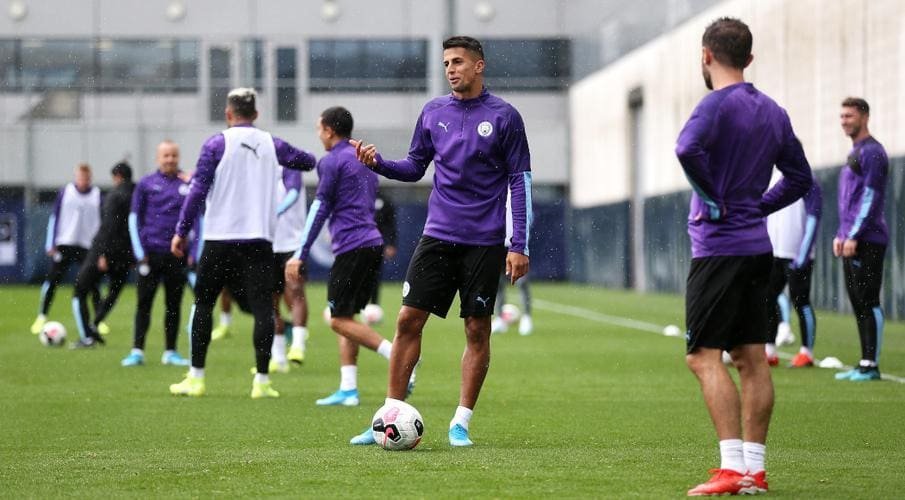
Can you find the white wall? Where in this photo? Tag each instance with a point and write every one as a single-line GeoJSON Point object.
{"type": "Point", "coordinates": [808, 55]}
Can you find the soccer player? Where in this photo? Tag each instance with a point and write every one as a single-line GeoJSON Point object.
{"type": "Point", "coordinates": [862, 236]}
{"type": "Point", "coordinates": [792, 232]}
{"type": "Point", "coordinates": [236, 181]}
{"type": "Point", "coordinates": [155, 209]}
{"type": "Point", "coordinates": [728, 149]}
{"type": "Point", "coordinates": [75, 220]}
{"type": "Point", "coordinates": [385, 216]}
{"type": "Point", "coordinates": [290, 223]}
{"type": "Point", "coordinates": [526, 324]}
{"type": "Point", "coordinates": [346, 191]}
{"type": "Point", "coordinates": [110, 254]}
{"type": "Point", "coordinates": [479, 148]}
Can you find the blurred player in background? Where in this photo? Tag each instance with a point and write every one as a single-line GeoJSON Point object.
{"type": "Point", "coordinates": [727, 149]}
{"type": "Point", "coordinates": [75, 220]}
{"type": "Point", "coordinates": [110, 254]}
{"type": "Point", "coordinates": [156, 202]}
{"type": "Point", "coordinates": [478, 145]}
{"type": "Point", "coordinates": [236, 181]}
{"type": "Point", "coordinates": [385, 216]}
{"type": "Point", "coordinates": [290, 224]}
{"type": "Point", "coordinates": [792, 232]}
{"type": "Point", "coordinates": [501, 323]}
{"type": "Point", "coordinates": [346, 190]}
{"type": "Point", "coordinates": [862, 236]}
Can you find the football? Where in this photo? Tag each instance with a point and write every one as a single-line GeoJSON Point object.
{"type": "Point", "coordinates": [372, 314]}
{"type": "Point", "coordinates": [510, 313]}
{"type": "Point", "coordinates": [53, 334]}
{"type": "Point", "coordinates": [397, 426]}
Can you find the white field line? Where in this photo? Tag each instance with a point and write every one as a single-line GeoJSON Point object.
{"type": "Point", "coordinates": [643, 326]}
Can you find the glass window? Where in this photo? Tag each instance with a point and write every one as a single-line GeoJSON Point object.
{"type": "Point", "coordinates": [219, 82]}
{"type": "Point", "coordinates": [368, 65]}
{"type": "Point", "coordinates": [534, 64]}
{"type": "Point", "coordinates": [57, 64]}
{"type": "Point", "coordinates": [287, 96]}
{"type": "Point", "coordinates": [9, 65]}
{"type": "Point", "coordinates": [148, 65]}
{"type": "Point", "coordinates": [251, 66]}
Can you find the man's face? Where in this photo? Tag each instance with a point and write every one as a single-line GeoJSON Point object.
{"type": "Point", "coordinates": [462, 68]}
{"type": "Point", "coordinates": [325, 134]}
{"type": "Point", "coordinates": [168, 158]}
{"type": "Point", "coordinates": [82, 180]}
{"type": "Point", "coordinates": [706, 59]}
{"type": "Point", "coordinates": [852, 121]}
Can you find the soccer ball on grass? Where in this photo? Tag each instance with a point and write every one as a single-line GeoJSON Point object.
{"type": "Point", "coordinates": [397, 426]}
{"type": "Point", "coordinates": [53, 334]}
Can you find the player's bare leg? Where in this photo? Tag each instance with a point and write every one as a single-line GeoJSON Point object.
{"type": "Point", "coordinates": [406, 350]}
{"type": "Point", "coordinates": [357, 332]}
{"type": "Point", "coordinates": [475, 363]}
{"type": "Point", "coordinates": [720, 394]}
{"type": "Point", "coordinates": [297, 302]}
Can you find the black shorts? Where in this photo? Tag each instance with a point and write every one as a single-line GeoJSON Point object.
{"type": "Point", "coordinates": [353, 277]}
{"type": "Point", "coordinates": [279, 270]}
{"type": "Point", "coordinates": [726, 301]}
{"type": "Point", "coordinates": [439, 269]}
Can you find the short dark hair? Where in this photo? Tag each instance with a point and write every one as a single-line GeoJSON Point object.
{"type": "Point", "coordinates": [339, 119]}
{"type": "Point", "coordinates": [857, 103]}
{"type": "Point", "coordinates": [730, 41]}
{"type": "Point", "coordinates": [123, 170]}
{"type": "Point", "coordinates": [242, 102]}
{"type": "Point", "coordinates": [466, 42]}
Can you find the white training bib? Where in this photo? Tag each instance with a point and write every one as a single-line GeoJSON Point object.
{"type": "Point", "coordinates": [79, 218]}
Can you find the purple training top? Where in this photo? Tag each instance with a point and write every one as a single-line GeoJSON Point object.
{"type": "Point", "coordinates": [156, 202]}
{"type": "Point", "coordinates": [728, 148]}
{"type": "Point", "coordinates": [346, 191]}
{"type": "Point", "coordinates": [479, 149]}
{"type": "Point", "coordinates": [211, 153]}
{"type": "Point", "coordinates": [862, 194]}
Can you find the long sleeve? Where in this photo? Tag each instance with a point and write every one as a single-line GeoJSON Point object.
{"type": "Point", "coordinates": [321, 208]}
{"type": "Point", "coordinates": [518, 164]}
{"type": "Point", "coordinates": [50, 239]}
{"type": "Point", "coordinates": [293, 158]}
{"type": "Point", "coordinates": [116, 210]}
{"type": "Point", "coordinates": [874, 165]}
{"type": "Point", "coordinates": [691, 150]}
{"type": "Point", "coordinates": [796, 180]}
{"type": "Point", "coordinates": [211, 154]}
{"type": "Point", "coordinates": [412, 168]}
{"type": "Point", "coordinates": [813, 202]}
{"type": "Point", "coordinates": [292, 181]}
{"type": "Point", "coordinates": [136, 218]}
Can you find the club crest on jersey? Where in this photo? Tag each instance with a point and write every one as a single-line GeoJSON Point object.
{"type": "Point", "coordinates": [485, 129]}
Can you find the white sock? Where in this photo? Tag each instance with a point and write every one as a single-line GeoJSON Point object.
{"type": "Point", "coordinates": [805, 350]}
{"type": "Point", "coordinates": [348, 377]}
{"type": "Point", "coordinates": [299, 334]}
{"type": "Point", "coordinates": [754, 456]}
{"type": "Point", "coordinates": [137, 351]}
{"type": "Point", "coordinates": [771, 350]}
{"type": "Point", "coordinates": [225, 318]}
{"type": "Point", "coordinates": [278, 349]}
{"type": "Point", "coordinates": [866, 363]}
{"type": "Point", "coordinates": [463, 417]}
{"type": "Point", "coordinates": [385, 348]}
{"type": "Point", "coordinates": [196, 372]}
{"type": "Point", "coordinates": [732, 455]}
{"type": "Point", "coordinates": [262, 378]}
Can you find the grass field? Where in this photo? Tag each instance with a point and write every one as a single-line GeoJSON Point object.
{"type": "Point", "coordinates": [582, 408]}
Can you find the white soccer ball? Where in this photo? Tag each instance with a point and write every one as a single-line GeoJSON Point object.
{"type": "Point", "coordinates": [53, 334]}
{"type": "Point", "coordinates": [397, 426]}
{"type": "Point", "coordinates": [510, 313]}
{"type": "Point", "coordinates": [672, 331]}
{"type": "Point", "coordinates": [372, 314]}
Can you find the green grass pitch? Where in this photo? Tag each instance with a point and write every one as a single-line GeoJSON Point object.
{"type": "Point", "coordinates": [582, 408]}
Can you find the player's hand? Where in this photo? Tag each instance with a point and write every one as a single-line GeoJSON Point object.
{"type": "Point", "coordinates": [292, 272]}
{"type": "Point", "coordinates": [389, 252]}
{"type": "Point", "coordinates": [177, 246]}
{"type": "Point", "coordinates": [516, 266]}
{"type": "Point", "coordinates": [52, 252]}
{"type": "Point", "coordinates": [102, 264]}
{"type": "Point", "coordinates": [366, 154]}
{"type": "Point", "coordinates": [850, 248]}
{"type": "Point", "coordinates": [837, 247]}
